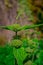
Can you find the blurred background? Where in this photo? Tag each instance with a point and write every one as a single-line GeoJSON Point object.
{"type": "Point", "coordinates": [21, 12]}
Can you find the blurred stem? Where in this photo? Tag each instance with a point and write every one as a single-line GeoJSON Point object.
{"type": "Point", "coordinates": [16, 33]}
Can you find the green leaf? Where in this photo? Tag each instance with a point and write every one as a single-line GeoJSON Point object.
{"type": "Point", "coordinates": [20, 55]}
{"type": "Point", "coordinates": [14, 27]}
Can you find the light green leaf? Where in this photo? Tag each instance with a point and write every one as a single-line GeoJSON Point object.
{"type": "Point", "coordinates": [20, 55]}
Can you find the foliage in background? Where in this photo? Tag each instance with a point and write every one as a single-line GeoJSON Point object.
{"type": "Point", "coordinates": [37, 9]}
{"type": "Point", "coordinates": [33, 9]}
{"type": "Point", "coordinates": [40, 21]}
{"type": "Point", "coordinates": [24, 8]}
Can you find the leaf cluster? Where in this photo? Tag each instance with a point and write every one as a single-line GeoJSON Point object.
{"type": "Point", "coordinates": [26, 51]}
{"type": "Point", "coordinates": [6, 55]}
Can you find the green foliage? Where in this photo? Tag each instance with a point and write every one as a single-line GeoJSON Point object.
{"type": "Point", "coordinates": [20, 55]}
{"type": "Point", "coordinates": [17, 27]}
{"type": "Point", "coordinates": [40, 21]}
{"type": "Point", "coordinates": [25, 27]}
{"type": "Point", "coordinates": [23, 51]}
{"type": "Point", "coordinates": [16, 43]}
{"type": "Point", "coordinates": [29, 63]}
{"type": "Point", "coordinates": [41, 44]}
{"type": "Point", "coordinates": [24, 8]}
{"type": "Point", "coordinates": [6, 55]}
{"type": "Point", "coordinates": [14, 27]}
{"type": "Point", "coordinates": [39, 59]}
{"type": "Point", "coordinates": [33, 43]}
{"type": "Point", "coordinates": [25, 42]}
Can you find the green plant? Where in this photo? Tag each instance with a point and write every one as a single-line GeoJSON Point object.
{"type": "Point", "coordinates": [25, 50]}
{"type": "Point", "coordinates": [17, 27]}
{"type": "Point", "coordinates": [6, 55]}
{"type": "Point", "coordinates": [14, 27]}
